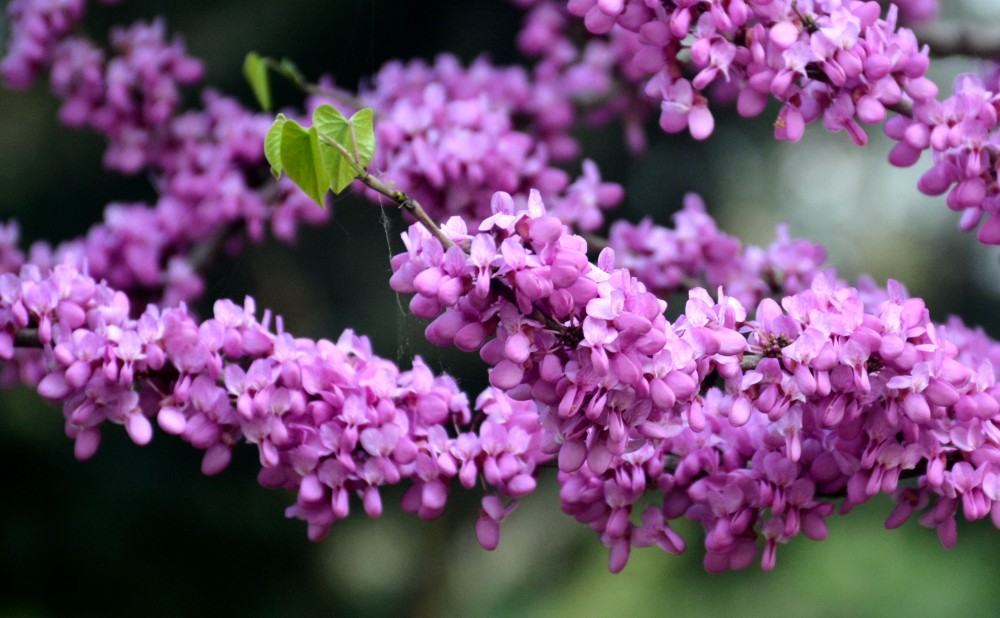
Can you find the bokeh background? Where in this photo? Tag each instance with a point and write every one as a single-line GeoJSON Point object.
{"type": "Point", "coordinates": [141, 531]}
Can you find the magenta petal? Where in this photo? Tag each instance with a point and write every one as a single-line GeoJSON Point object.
{"type": "Point", "coordinates": [572, 454]}
{"type": "Point", "coordinates": [487, 533]}
{"type": "Point", "coordinates": [661, 394]}
{"type": "Point", "coordinates": [216, 459]}
{"type": "Point", "coordinates": [620, 551]}
{"type": "Point", "coordinates": [434, 494]}
{"type": "Point", "coordinates": [936, 180]}
{"type": "Point", "coordinates": [506, 375]}
{"type": "Point", "coordinates": [78, 374]}
{"type": "Point", "coordinates": [310, 490]}
{"type": "Point", "coordinates": [673, 117]}
{"type": "Point", "coordinates": [739, 414]}
{"type": "Point", "coordinates": [171, 420]}
{"type": "Point", "coordinates": [682, 384]}
{"type": "Point", "coordinates": [916, 408]}
{"type": "Point", "coordinates": [139, 428]}
{"type": "Point", "coordinates": [54, 387]}
{"type": "Point", "coordinates": [599, 458]}
{"type": "Point", "coordinates": [470, 337]}
{"type": "Point", "coordinates": [87, 441]}
{"type": "Point", "coordinates": [372, 502]}
{"type": "Point", "coordinates": [521, 485]}
{"type": "Point", "coordinates": [784, 34]}
{"type": "Point", "coordinates": [517, 348]}
{"type": "Point", "coordinates": [989, 233]}
{"type": "Point", "coordinates": [700, 122]}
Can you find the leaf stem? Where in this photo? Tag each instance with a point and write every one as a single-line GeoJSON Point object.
{"type": "Point", "coordinates": [404, 201]}
{"type": "Point", "coordinates": [287, 70]}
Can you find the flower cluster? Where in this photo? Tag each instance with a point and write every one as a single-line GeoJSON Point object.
{"type": "Point", "coordinates": [752, 413]}
{"type": "Point", "coordinates": [127, 96]}
{"type": "Point", "coordinates": [205, 163]}
{"type": "Point", "coordinates": [452, 135]}
{"type": "Point", "coordinates": [750, 425]}
{"type": "Point", "coordinates": [695, 253]}
{"type": "Point", "coordinates": [837, 60]}
{"type": "Point", "coordinates": [840, 61]}
{"type": "Point", "coordinates": [329, 419]}
{"type": "Point", "coordinates": [962, 132]}
{"type": "Point", "coordinates": [37, 28]}
{"type": "Point", "coordinates": [211, 194]}
{"type": "Point", "coordinates": [439, 131]}
{"type": "Point", "coordinates": [597, 70]}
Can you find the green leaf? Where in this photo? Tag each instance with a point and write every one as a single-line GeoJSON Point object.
{"type": "Point", "coordinates": [330, 122]}
{"type": "Point", "coordinates": [328, 156]}
{"type": "Point", "coordinates": [291, 72]}
{"type": "Point", "coordinates": [302, 160]}
{"type": "Point", "coordinates": [352, 139]}
{"type": "Point", "coordinates": [272, 145]}
{"type": "Point", "coordinates": [255, 71]}
{"type": "Point", "coordinates": [335, 131]}
{"type": "Point", "coordinates": [363, 126]}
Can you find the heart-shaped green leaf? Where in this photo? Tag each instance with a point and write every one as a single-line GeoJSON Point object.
{"type": "Point", "coordinates": [302, 160]}
{"type": "Point", "coordinates": [363, 127]}
{"type": "Point", "coordinates": [329, 156]}
{"type": "Point", "coordinates": [272, 145]}
{"type": "Point", "coordinates": [353, 139]}
{"type": "Point", "coordinates": [255, 71]}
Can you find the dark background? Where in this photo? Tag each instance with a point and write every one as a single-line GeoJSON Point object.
{"type": "Point", "coordinates": [141, 531]}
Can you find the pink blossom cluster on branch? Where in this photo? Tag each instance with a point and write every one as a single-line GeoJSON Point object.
{"type": "Point", "coordinates": [696, 253]}
{"type": "Point", "coordinates": [837, 60]}
{"type": "Point", "coordinates": [917, 11]}
{"type": "Point", "coordinates": [205, 164]}
{"type": "Point", "coordinates": [749, 424]}
{"type": "Point", "coordinates": [104, 364]}
{"type": "Point", "coordinates": [37, 27]}
{"type": "Point", "coordinates": [451, 135]}
{"type": "Point", "coordinates": [753, 413]}
{"type": "Point", "coordinates": [329, 419]}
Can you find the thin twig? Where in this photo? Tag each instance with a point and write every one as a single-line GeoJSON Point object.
{"type": "Point", "coordinates": [292, 74]}
{"type": "Point", "coordinates": [403, 200]}
{"type": "Point", "coordinates": [408, 204]}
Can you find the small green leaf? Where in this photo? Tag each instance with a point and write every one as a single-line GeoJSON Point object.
{"type": "Point", "coordinates": [335, 132]}
{"type": "Point", "coordinates": [330, 122]}
{"type": "Point", "coordinates": [362, 123]}
{"type": "Point", "coordinates": [355, 138]}
{"type": "Point", "coordinates": [255, 71]}
{"type": "Point", "coordinates": [328, 156]}
{"type": "Point", "coordinates": [341, 172]}
{"type": "Point", "coordinates": [302, 160]}
{"type": "Point", "coordinates": [291, 72]}
{"type": "Point", "coordinates": [272, 145]}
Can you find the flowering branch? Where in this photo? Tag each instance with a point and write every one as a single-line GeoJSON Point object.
{"type": "Point", "coordinates": [805, 390]}
{"type": "Point", "coordinates": [749, 413]}
{"type": "Point", "coordinates": [844, 63]}
{"type": "Point", "coordinates": [329, 420]}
